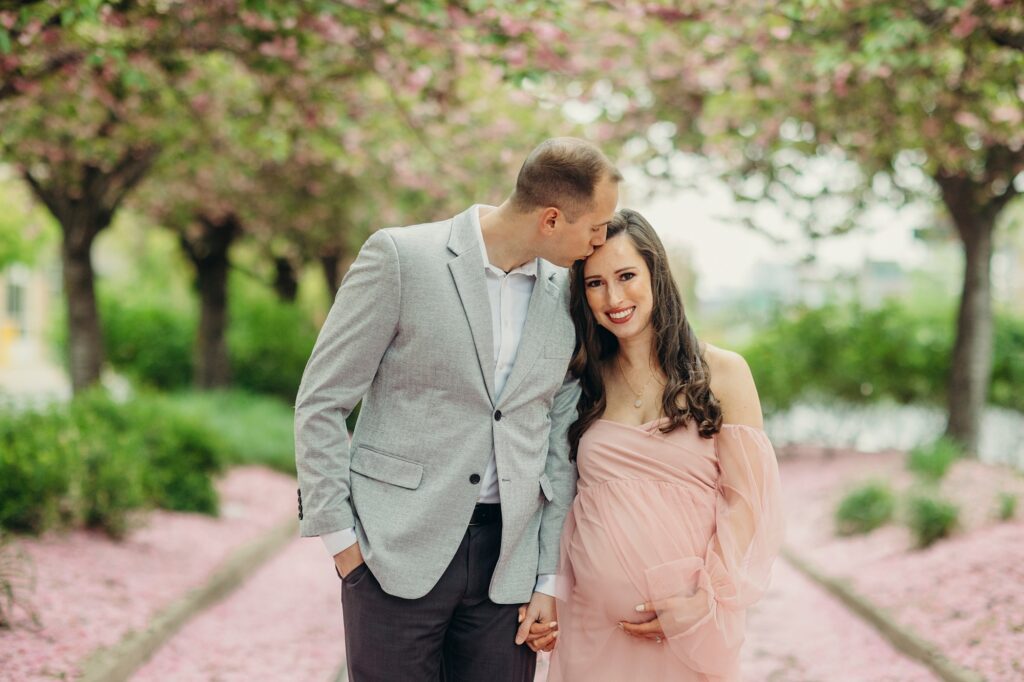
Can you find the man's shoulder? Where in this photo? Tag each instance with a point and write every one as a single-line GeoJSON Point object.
{"type": "Point", "coordinates": [414, 238]}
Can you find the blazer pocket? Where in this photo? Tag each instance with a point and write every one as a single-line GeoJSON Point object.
{"type": "Point", "coordinates": [386, 468]}
{"type": "Point", "coordinates": [545, 487]}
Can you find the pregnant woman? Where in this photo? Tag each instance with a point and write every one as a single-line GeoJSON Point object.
{"type": "Point", "coordinates": [677, 522]}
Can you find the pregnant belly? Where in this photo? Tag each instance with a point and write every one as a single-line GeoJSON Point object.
{"type": "Point", "coordinates": [605, 587]}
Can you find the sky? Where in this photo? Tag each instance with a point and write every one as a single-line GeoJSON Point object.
{"type": "Point", "coordinates": [724, 251]}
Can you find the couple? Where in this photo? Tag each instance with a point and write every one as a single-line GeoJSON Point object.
{"type": "Point", "coordinates": [454, 516]}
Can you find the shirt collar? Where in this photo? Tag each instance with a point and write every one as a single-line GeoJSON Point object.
{"type": "Point", "coordinates": [529, 268]}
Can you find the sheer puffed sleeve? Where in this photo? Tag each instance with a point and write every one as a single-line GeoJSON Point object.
{"type": "Point", "coordinates": [702, 603]}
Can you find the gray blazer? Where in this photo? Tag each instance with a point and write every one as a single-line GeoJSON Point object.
{"type": "Point", "coordinates": [410, 334]}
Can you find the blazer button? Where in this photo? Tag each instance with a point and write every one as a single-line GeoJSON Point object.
{"type": "Point", "coordinates": [497, 416]}
{"type": "Point", "coordinates": [474, 479]}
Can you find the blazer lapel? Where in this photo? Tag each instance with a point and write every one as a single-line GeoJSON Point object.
{"type": "Point", "coordinates": [467, 270]}
{"type": "Point", "coordinates": [540, 317]}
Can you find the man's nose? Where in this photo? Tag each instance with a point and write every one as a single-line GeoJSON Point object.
{"type": "Point", "coordinates": [600, 237]}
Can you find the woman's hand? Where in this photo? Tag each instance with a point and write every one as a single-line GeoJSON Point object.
{"type": "Point", "coordinates": [650, 630]}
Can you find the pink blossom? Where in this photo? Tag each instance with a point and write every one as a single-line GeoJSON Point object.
{"type": "Point", "coordinates": [782, 32]}
{"type": "Point", "coordinates": [1007, 113]}
{"type": "Point", "coordinates": [967, 119]}
{"type": "Point", "coordinates": [547, 32]}
{"type": "Point", "coordinates": [841, 77]}
{"type": "Point", "coordinates": [512, 27]}
{"type": "Point", "coordinates": [419, 78]}
{"type": "Point", "coordinates": [256, 21]}
{"type": "Point", "coordinates": [515, 55]}
{"type": "Point", "coordinates": [965, 25]}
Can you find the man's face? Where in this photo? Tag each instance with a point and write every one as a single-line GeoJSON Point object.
{"type": "Point", "coordinates": [577, 240]}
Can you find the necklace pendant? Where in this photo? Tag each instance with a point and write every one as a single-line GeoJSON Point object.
{"type": "Point", "coordinates": [638, 403]}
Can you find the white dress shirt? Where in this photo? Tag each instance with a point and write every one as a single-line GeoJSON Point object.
{"type": "Point", "coordinates": [509, 294]}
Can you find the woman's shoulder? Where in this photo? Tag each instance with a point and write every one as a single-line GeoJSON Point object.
{"type": "Point", "coordinates": [732, 383]}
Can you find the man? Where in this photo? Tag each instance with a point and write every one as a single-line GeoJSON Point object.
{"type": "Point", "coordinates": [444, 513]}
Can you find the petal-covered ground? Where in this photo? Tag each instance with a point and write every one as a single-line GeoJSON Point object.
{"type": "Point", "coordinates": [964, 594]}
{"type": "Point", "coordinates": [284, 623]}
{"type": "Point", "coordinates": [799, 633]}
{"type": "Point", "coordinates": [90, 591]}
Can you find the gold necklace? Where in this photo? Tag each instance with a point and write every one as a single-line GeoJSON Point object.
{"type": "Point", "coordinates": [639, 402]}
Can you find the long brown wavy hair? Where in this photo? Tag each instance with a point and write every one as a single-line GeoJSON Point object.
{"type": "Point", "coordinates": [676, 347]}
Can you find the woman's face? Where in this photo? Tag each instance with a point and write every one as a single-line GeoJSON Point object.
{"type": "Point", "coordinates": [618, 286]}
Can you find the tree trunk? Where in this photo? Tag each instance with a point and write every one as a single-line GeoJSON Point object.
{"type": "Point", "coordinates": [974, 210]}
{"type": "Point", "coordinates": [329, 263]}
{"type": "Point", "coordinates": [84, 208]}
{"type": "Point", "coordinates": [335, 265]}
{"type": "Point", "coordinates": [208, 248]}
{"type": "Point", "coordinates": [286, 282]}
{"type": "Point", "coordinates": [971, 369]}
{"type": "Point", "coordinates": [85, 339]}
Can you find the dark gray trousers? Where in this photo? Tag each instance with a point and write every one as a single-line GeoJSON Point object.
{"type": "Point", "coordinates": [454, 633]}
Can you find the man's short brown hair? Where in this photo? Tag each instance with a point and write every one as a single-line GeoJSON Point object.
{"type": "Point", "coordinates": [562, 172]}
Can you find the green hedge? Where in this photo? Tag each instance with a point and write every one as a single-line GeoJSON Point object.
{"type": "Point", "coordinates": [269, 341]}
{"type": "Point", "coordinates": [148, 340]}
{"type": "Point", "coordinates": [256, 429]}
{"type": "Point", "coordinates": [95, 462]}
{"type": "Point", "coordinates": [861, 355]}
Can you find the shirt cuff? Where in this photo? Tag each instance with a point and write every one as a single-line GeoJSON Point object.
{"type": "Point", "coordinates": [546, 584]}
{"type": "Point", "coordinates": [339, 540]}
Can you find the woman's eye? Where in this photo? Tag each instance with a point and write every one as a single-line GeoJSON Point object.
{"type": "Point", "coordinates": [593, 283]}
{"type": "Point", "coordinates": [626, 276]}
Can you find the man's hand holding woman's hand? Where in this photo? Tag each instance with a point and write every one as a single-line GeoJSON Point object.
{"type": "Point", "coordinates": [538, 627]}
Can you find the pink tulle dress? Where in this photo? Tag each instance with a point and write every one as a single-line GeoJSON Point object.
{"type": "Point", "coordinates": [689, 523]}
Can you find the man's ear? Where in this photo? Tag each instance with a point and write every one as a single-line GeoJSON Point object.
{"type": "Point", "coordinates": [548, 219]}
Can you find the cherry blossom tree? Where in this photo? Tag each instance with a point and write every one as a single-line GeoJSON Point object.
{"type": "Point", "coordinates": [825, 106]}
{"type": "Point", "coordinates": [93, 93]}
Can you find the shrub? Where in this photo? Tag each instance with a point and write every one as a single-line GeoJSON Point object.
{"type": "Point", "coordinates": [269, 343]}
{"type": "Point", "coordinates": [177, 453]}
{"type": "Point", "coordinates": [254, 429]}
{"type": "Point", "coordinates": [931, 518]}
{"type": "Point", "coordinates": [184, 454]}
{"type": "Point", "coordinates": [109, 459]}
{"type": "Point", "coordinates": [865, 508]}
{"type": "Point", "coordinates": [149, 341]}
{"type": "Point", "coordinates": [36, 472]}
{"type": "Point", "coordinates": [97, 462]}
{"type": "Point", "coordinates": [1007, 506]}
{"type": "Point", "coordinates": [895, 352]}
{"type": "Point", "coordinates": [931, 461]}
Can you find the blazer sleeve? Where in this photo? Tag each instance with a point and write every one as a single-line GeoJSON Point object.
{"type": "Point", "coordinates": [358, 330]}
{"type": "Point", "coordinates": [561, 474]}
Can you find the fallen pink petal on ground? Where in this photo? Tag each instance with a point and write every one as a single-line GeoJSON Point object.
{"type": "Point", "coordinates": [964, 594]}
{"type": "Point", "coordinates": [90, 591]}
{"type": "Point", "coordinates": [799, 632]}
{"type": "Point", "coordinates": [283, 623]}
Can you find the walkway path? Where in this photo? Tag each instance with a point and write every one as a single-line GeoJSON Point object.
{"type": "Point", "coordinates": [284, 623]}
{"type": "Point", "coordinates": [801, 633]}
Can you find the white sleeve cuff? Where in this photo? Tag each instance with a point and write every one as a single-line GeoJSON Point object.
{"type": "Point", "coordinates": [339, 540]}
{"type": "Point", "coordinates": [546, 584]}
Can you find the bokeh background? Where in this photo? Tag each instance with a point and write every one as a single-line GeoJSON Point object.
{"type": "Point", "coordinates": [183, 185]}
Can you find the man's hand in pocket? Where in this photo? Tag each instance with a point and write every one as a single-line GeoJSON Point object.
{"type": "Point", "coordinates": [348, 559]}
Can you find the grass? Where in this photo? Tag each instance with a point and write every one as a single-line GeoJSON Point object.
{"type": "Point", "coordinates": [256, 429]}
